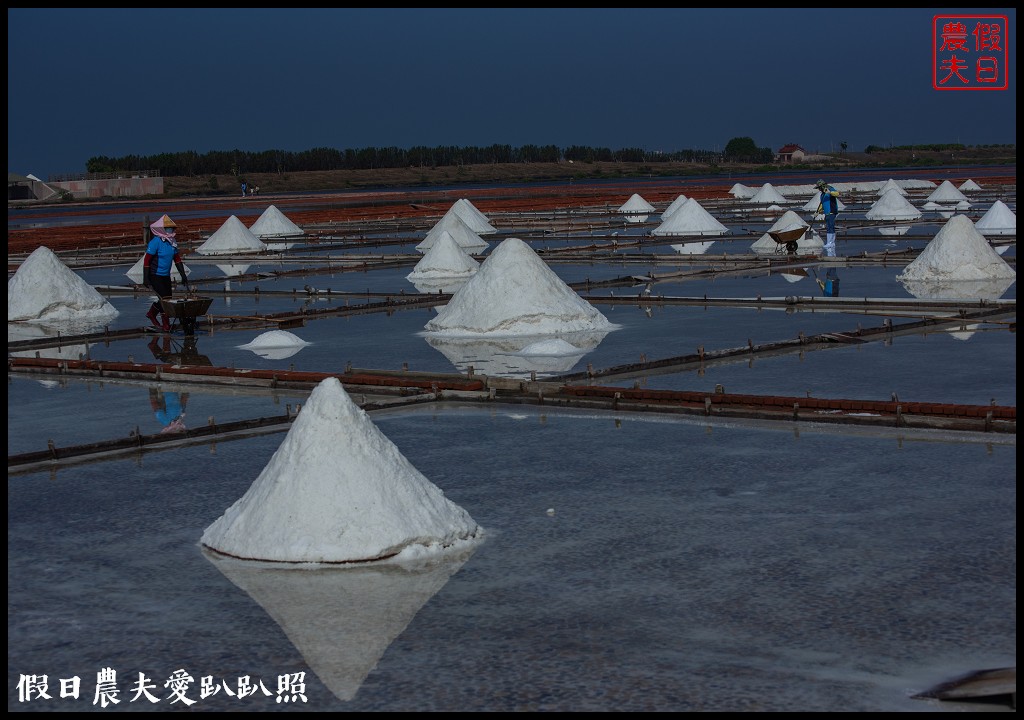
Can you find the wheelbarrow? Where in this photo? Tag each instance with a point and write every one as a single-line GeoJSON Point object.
{"type": "Point", "coordinates": [788, 238]}
{"type": "Point", "coordinates": [185, 310]}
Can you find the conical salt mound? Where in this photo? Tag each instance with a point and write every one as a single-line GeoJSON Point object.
{"type": "Point", "coordinates": [891, 184]}
{"type": "Point", "coordinates": [515, 293]}
{"type": "Point", "coordinates": [741, 191]}
{"type": "Point", "coordinates": [815, 200]}
{"type": "Point", "coordinates": [997, 220]}
{"type": "Point", "coordinates": [476, 220]}
{"type": "Point", "coordinates": [946, 193]}
{"type": "Point", "coordinates": [338, 490]}
{"type": "Point", "coordinates": [274, 223]}
{"type": "Point", "coordinates": [673, 206]}
{"type": "Point", "coordinates": [636, 205]}
{"type": "Point", "coordinates": [958, 252]}
{"type": "Point", "coordinates": [892, 206]}
{"type": "Point", "coordinates": [690, 219]}
{"type": "Point", "coordinates": [453, 224]}
{"type": "Point", "coordinates": [969, 185]}
{"type": "Point", "coordinates": [445, 258]}
{"type": "Point", "coordinates": [767, 195]}
{"type": "Point", "coordinates": [231, 237]}
{"type": "Point", "coordinates": [788, 221]}
{"type": "Point", "coordinates": [135, 273]}
{"type": "Point", "coordinates": [275, 345]}
{"type": "Point", "coordinates": [46, 290]}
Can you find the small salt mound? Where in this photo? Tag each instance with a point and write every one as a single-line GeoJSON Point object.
{"type": "Point", "coordinates": [445, 258]}
{"type": "Point", "coordinates": [274, 223]}
{"type": "Point", "coordinates": [274, 339]}
{"type": "Point", "coordinates": [997, 220]}
{"type": "Point", "coordinates": [339, 491]}
{"type": "Point", "coordinates": [276, 345]}
{"type": "Point", "coordinates": [46, 290]}
{"type": "Point", "coordinates": [892, 206]}
{"type": "Point", "coordinates": [636, 204]}
{"type": "Point", "coordinates": [231, 237]}
{"type": "Point", "coordinates": [515, 293]}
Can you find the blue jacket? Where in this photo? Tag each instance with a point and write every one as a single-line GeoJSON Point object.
{"type": "Point", "coordinates": [829, 203]}
{"type": "Point", "coordinates": [161, 256]}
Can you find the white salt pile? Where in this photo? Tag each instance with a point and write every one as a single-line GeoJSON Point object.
{"type": "Point", "coordinates": [946, 193]}
{"type": "Point", "coordinates": [274, 223]}
{"type": "Point", "coordinates": [636, 205]}
{"type": "Point", "coordinates": [275, 345]}
{"type": "Point", "coordinates": [958, 252]}
{"type": "Point", "coordinates": [476, 220]}
{"type": "Point", "coordinates": [892, 206]}
{"type": "Point", "coordinates": [515, 293]}
{"type": "Point", "coordinates": [339, 491]}
{"type": "Point", "coordinates": [891, 184]}
{"type": "Point", "coordinates": [997, 220]}
{"type": "Point", "coordinates": [231, 237]}
{"type": "Point", "coordinates": [673, 206]}
{"type": "Point", "coordinates": [767, 195]}
{"type": "Point", "coordinates": [453, 224]}
{"type": "Point", "coordinates": [690, 219]}
{"type": "Point", "coordinates": [444, 258]}
{"type": "Point", "coordinates": [45, 290]}
{"type": "Point", "coordinates": [741, 191]}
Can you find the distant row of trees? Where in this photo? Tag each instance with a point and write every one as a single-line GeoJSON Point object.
{"type": "Point", "coordinates": [239, 162]}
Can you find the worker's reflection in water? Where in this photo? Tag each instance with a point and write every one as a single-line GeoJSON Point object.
{"type": "Point", "coordinates": [830, 285]}
{"type": "Point", "coordinates": [184, 351]}
{"type": "Point", "coordinates": [169, 409]}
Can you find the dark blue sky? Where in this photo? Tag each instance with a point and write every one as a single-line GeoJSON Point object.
{"type": "Point", "coordinates": [115, 82]}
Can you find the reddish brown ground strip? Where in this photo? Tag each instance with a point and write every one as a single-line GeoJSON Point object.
{"type": "Point", "coordinates": [359, 206]}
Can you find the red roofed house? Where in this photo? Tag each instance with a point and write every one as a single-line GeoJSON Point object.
{"type": "Point", "coordinates": [791, 153]}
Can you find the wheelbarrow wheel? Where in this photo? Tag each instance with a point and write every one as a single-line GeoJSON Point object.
{"type": "Point", "coordinates": [791, 247]}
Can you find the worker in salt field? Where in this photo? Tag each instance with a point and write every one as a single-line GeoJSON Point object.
{"type": "Point", "coordinates": [169, 408]}
{"type": "Point", "coordinates": [829, 205]}
{"type": "Point", "coordinates": [161, 256]}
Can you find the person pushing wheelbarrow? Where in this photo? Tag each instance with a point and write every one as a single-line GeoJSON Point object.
{"type": "Point", "coordinates": [161, 255]}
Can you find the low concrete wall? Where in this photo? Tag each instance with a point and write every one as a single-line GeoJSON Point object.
{"type": "Point", "coordinates": [118, 187]}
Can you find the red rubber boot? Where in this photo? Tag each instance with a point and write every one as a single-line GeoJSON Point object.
{"type": "Point", "coordinates": [152, 318]}
{"type": "Point", "coordinates": [166, 327]}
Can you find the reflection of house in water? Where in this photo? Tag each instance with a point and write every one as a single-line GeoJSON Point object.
{"type": "Point", "coordinates": [341, 619]}
{"type": "Point", "coordinates": [512, 356]}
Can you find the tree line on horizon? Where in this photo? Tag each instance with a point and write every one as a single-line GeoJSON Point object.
{"type": "Point", "coordinates": [240, 162]}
